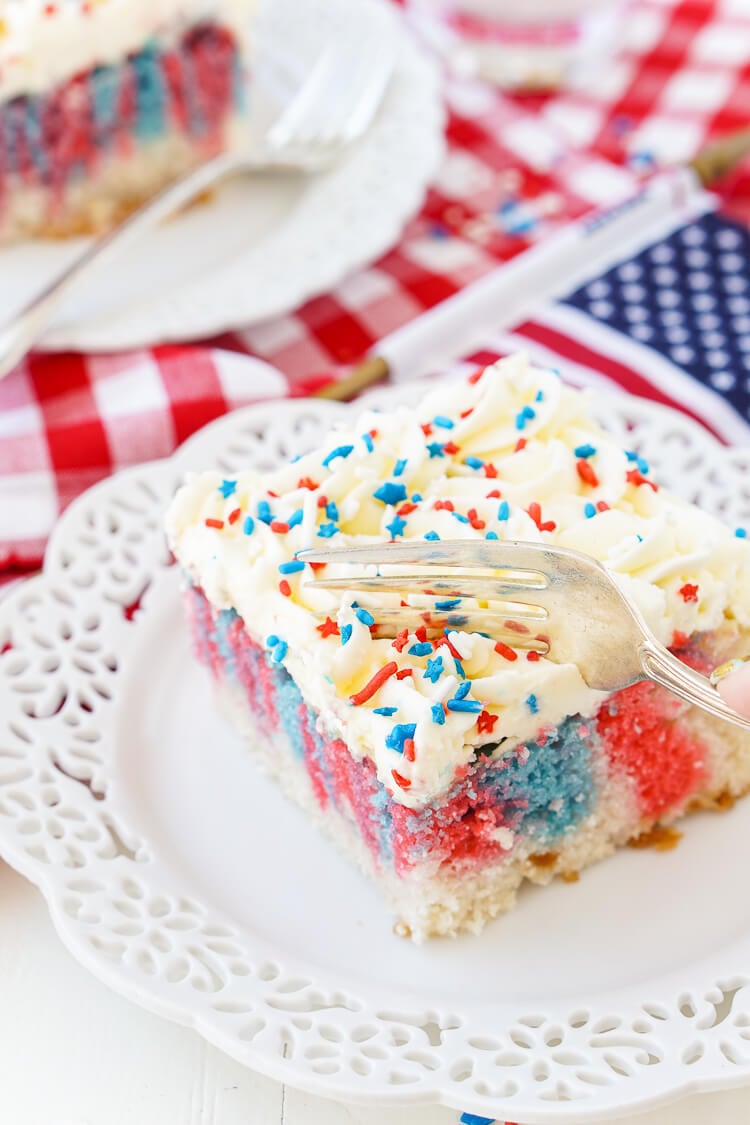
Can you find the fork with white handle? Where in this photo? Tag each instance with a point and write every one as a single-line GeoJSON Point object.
{"type": "Point", "coordinates": [561, 603]}
{"type": "Point", "coordinates": [333, 106]}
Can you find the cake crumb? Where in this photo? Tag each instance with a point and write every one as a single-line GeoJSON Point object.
{"type": "Point", "coordinates": [401, 929]}
{"type": "Point", "coordinates": [662, 837]}
{"type": "Point", "coordinates": [570, 876]}
{"type": "Point", "coordinates": [544, 859]}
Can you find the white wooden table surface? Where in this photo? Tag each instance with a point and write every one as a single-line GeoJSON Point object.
{"type": "Point", "coordinates": [74, 1053]}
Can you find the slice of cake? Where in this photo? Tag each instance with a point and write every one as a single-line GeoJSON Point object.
{"type": "Point", "coordinates": [103, 102]}
{"type": "Point", "coordinates": [453, 767]}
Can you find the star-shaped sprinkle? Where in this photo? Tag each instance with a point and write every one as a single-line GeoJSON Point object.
{"type": "Point", "coordinates": [328, 628]}
{"type": "Point", "coordinates": [434, 669]}
{"type": "Point", "coordinates": [396, 527]}
{"type": "Point", "coordinates": [228, 488]}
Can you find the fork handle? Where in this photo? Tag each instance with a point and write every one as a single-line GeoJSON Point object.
{"type": "Point", "coordinates": [661, 666]}
{"type": "Point", "coordinates": [19, 335]}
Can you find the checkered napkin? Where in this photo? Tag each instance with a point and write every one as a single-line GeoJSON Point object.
{"type": "Point", "coordinates": [516, 170]}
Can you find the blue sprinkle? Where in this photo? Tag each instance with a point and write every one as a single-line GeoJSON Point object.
{"type": "Point", "coordinates": [416, 497]}
{"type": "Point", "coordinates": [520, 421]}
{"type": "Point", "coordinates": [459, 668]}
{"type": "Point", "coordinates": [264, 511]}
{"type": "Point", "coordinates": [390, 493]}
{"type": "Point", "coordinates": [421, 648]}
{"type": "Point", "coordinates": [434, 669]}
{"type": "Point", "coordinates": [463, 690]}
{"type": "Point", "coordinates": [332, 511]}
{"type": "Point", "coordinates": [460, 517]}
{"type": "Point", "coordinates": [438, 714]}
{"type": "Point", "coordinates": [432, 536]}
{"type": "Point", "coordinates": [278, 654]}
{"type": "Point", "coordinates": [365, 617]}
{"type": "Point", "coordinates": [631, 455]}
{"type": "Point", "coordinates": [387, 711]}
{"type": "Point", "coordinates": [443, 422]}
{"type": "Point", "coordinates": [368, 442]}
{"type": "Point", "coordinates": [292, 567]}
{"type": "Point", "coordinates": [584, 451]}
{"type": "Point", "coordinates": [457, 621]}
{"type": "Point", "coordinates": [346, 632]}
{"type": "Point", "coordinates": [399, 467]}
{"type": "Point", "coordinates": [474, 462]}
{"type": "Point", "coordinates": [249, 525]}
{"type": "Point", "coordinates": [227, 488]}
{"type": "Point", "coordinates": [339, 451]}
{"type": "Point", "coordinates": [448, 605]}
{"type": "Point", "coordinates": [327, 530]}
{"type": "Point", "coordinates": [272, 641]}
{"type": "Point", "coordinates": [491, 535]}
{"type": "Point", "coordinates": [435, 449]}
{"type": "Point", "coordinates": [740, 533]}
{"type": "Point", "coordinates": [295, 518]}
{"type": "Point", "coordinates": [642, 465]}
{"type": "Point", "coordinates": [503, 512]}
{"type": "Point", "coordinates": [472, 706]}
{"type": "Point", "coordinates": [589, 511]}
{"type": "Point", "coordinates": [639, 538]}
{"type": "Point", "coordinates": [532, 704]}
{"type": "Point", "coordinates": [539, 397]}
{"type": "Point", "coordinates": [396, 526]}
{"type": "Point", "coordinates": [473, 1119]}
{"type": "Point", "coordinates": [398, 735]}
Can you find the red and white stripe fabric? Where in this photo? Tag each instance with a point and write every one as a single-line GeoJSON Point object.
{"type": "Point", "coordinates": [516, 169]}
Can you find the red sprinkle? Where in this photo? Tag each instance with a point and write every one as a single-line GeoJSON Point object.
{"type": "Point", "coordinates": [602, 506]}
{"type": "Point", "coordinates": [401, 640]}
{"type": "Point", "coordinates": [409, 754]}
{"type": "Point", "coordinates": [477, 375]}
{"type": "Point", "coordinates": [636, 477]}
{"type": "Point", "coordinates": [451, 648]}
{"type": "Point", "coordinates": [443, 505]}
{"type": "Point", "coordinates": [285, 588]}
{"type": "Point", "coordinates": [322, 501]}
{"type": "Point", "coordinates": [400, 780]}
{"type": "Point", "coordinates": [520, 444]}
{"type": "Point", "coordinates": [318, 566]}
{"type": "Point", "coordinates": [532, 655]}
{"type": "Point", "coordinates": [421, 634]}
{"type": "Point", "coordinates": [689, 592]}
{"type": "Point", "coordinates": [234, 515]}
{"type": "Point", "coordinates": [426, 429]}
{"type": "Point", "coordinates": [535, 511]}
{"type": "Point", "coordinates": [406, 509]}
{"type": "Point", "coordinates": [374, 684]}
{"type": "Point", "coordinates": [489, 469]}
{"type": "Point", "coordinates": [486, 722]}
{"type": "Point", "coordinates": [496, 494]}
{"type": "Point", "coordinates": [474, 519]}
{"type": "Point", "coordinates": [451, 447]}
{"type": "Point", "coordinates": [280, 526]}
{"type": "Point", "coordinates": [516, 627]}
{"type": "Point", "coordinates": [274, 494]}
{"type": "Point", "coordinates": [466, 413]}
{"type": "Point", "coordinates": [586, 473]}
{"type": "Point", "coordinates": [373, 433]}
{"type": "Point", "coordinates": [329, 628]}
{"type": "Point", "coordinates": [404, 673]}
{"type": "Point", "coordinates": [215, 523]}
{"type": "Point", "coordinates": [506, 651]}
{"type": "Point", "coordinates": [307, 482]}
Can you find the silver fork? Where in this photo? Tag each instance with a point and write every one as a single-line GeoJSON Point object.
{"type": "Point", "coordinates": [561, 603]}
{"type": "Point", "coordinates": [333, 106]}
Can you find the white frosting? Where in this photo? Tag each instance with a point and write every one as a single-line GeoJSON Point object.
{"type": "Point", "coordinates": [653, 544]}
{"type": "Point", "coordinates": [43, 44]}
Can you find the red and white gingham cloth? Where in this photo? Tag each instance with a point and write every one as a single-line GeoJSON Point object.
{"type": "Point", "coordinates": [515, 170]}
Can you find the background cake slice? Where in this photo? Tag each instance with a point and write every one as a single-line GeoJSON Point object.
{"type": "Point", "coordinates": [103, 102]}
{"type": "Point", "coordinates": [455, 766]}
